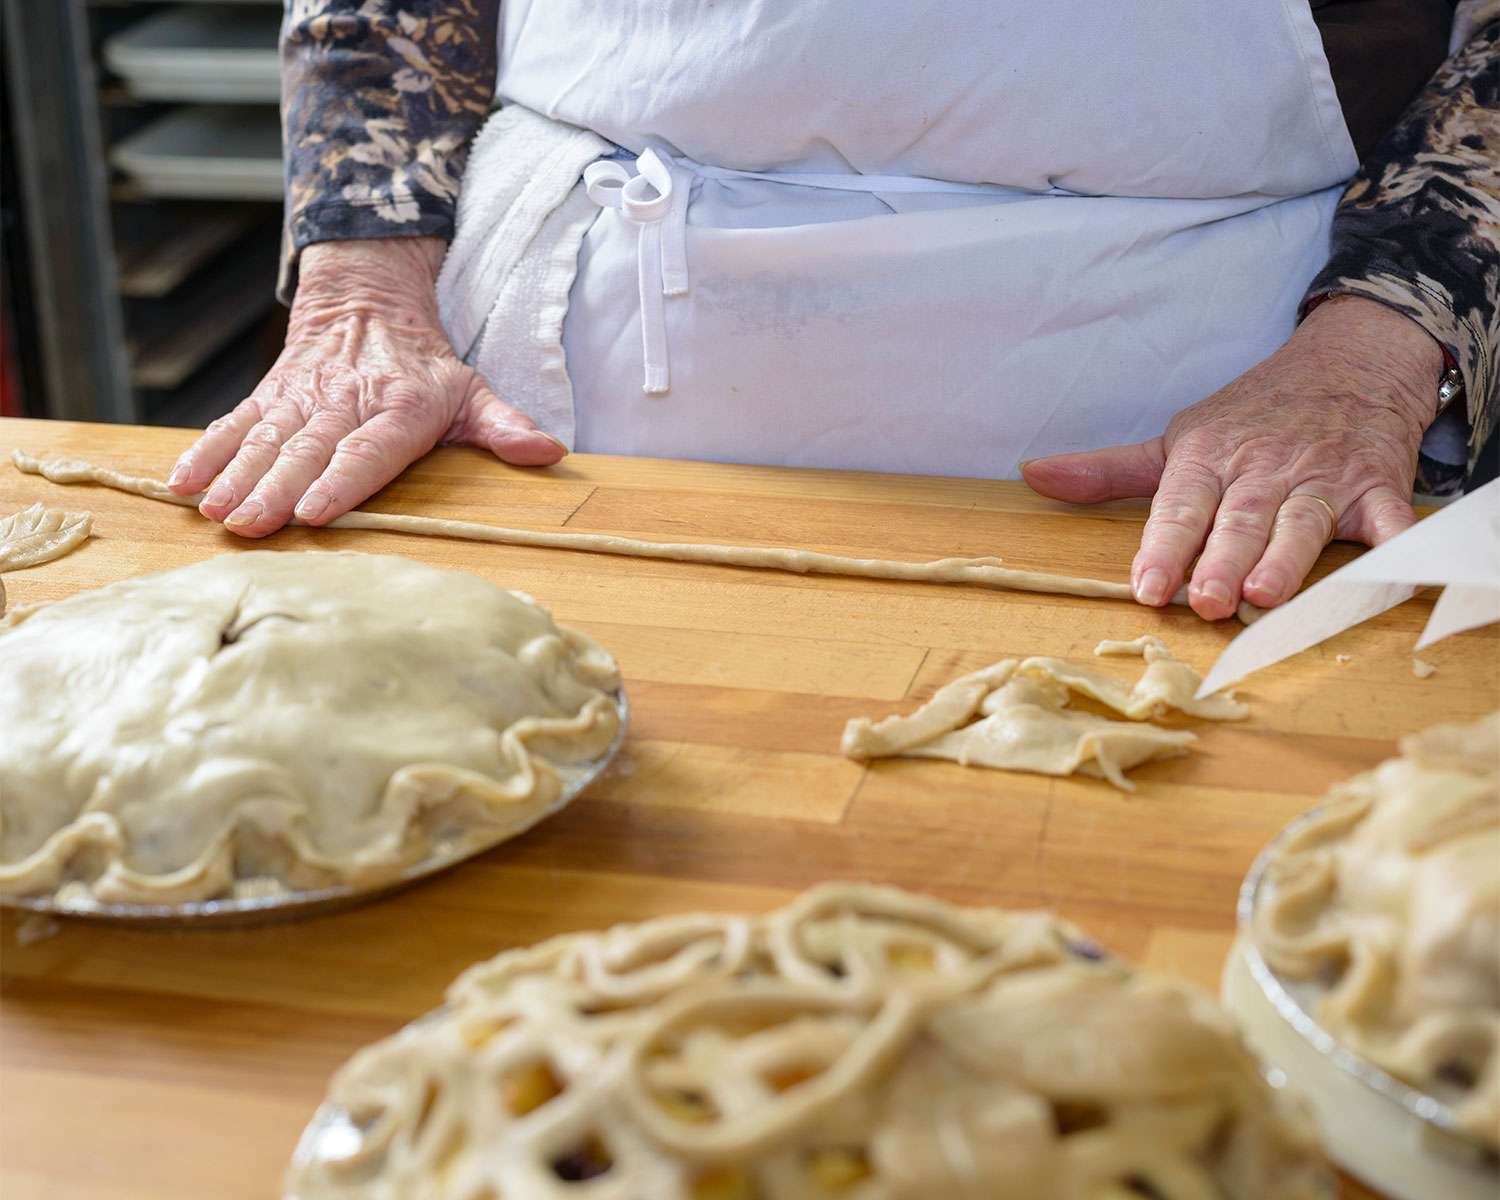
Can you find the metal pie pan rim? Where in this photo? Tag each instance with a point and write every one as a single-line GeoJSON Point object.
{"type": "Point", "coordinates": [329, 1113]}
{"type": "Point", "coordinates": [1424, 1107]}
{"type": "Point", "coordinates": [293, 903]}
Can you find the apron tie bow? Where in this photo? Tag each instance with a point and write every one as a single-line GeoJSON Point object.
{"type": "Point", "coordinates": [656, 200]}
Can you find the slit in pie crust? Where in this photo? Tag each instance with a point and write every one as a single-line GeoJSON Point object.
{"type": "Point", "coordinates": [319, 718]}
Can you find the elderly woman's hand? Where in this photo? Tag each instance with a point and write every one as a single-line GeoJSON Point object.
{"type": "Point", "coordinates": [366, 385]}
{"type": "Point", "coordinates": [1319, 439]}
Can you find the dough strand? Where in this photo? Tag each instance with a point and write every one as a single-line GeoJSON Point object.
{"type": "Point", "coordinates": [985, 572]}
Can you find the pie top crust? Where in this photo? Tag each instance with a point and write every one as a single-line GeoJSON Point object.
{"type": "Point", "coordinates": [862, 1043]}
{"type": "Point", "coordinates": [1388, 896]}
{"type": "Point", "coordinates": [319, 718]}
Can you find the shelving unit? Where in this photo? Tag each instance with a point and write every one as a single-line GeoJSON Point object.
{"type": "Point", "coordinates": [203, 52]}
{"type": "Point", "coordinates": [205, 151]}
{"type": "Point", "coordinates": [147, 144]}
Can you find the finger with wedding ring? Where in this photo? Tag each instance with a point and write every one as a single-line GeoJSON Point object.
{"type": "Point", "coordinates": [1333, 517]}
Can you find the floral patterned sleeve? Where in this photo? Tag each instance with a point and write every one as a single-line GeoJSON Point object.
{"type": "Point", "coordinates": [380, 99]}
{"type": "Point", "coordinates": [1419, 229]}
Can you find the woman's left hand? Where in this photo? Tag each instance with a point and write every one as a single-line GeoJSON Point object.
{"type": "Point", "coordinates": [1319, 440]}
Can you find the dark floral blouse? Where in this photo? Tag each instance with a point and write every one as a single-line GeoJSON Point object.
{"type": "Point", "coordinates": [381, 98]}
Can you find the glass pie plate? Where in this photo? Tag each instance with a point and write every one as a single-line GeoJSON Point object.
{"type": "Point", "coordinates": [266, 898]}
{"type": "Point", "coordinates": [1388, 1134]}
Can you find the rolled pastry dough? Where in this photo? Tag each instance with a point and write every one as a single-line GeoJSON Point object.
{"type": "Point", "coordinates": [1024, 723]}
{"type": "Point", "coordinates": [985, 572]}
{"type": "Point", "coordinates": [315, 717]}
{"type": "Point", "coordinates": [1390, 897]}
{"type": "Point", "coordinates": [862, 1042]}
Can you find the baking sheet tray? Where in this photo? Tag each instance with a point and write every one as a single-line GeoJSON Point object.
{"type": "Point", "coordinates": [225, 54]}
{"type": "Point", "coordinates": [206, 152]}
{"type": "Point", "coordinates": [264, 898]}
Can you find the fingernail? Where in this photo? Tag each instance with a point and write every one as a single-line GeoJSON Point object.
{"type": "Point", "coordinates": [1269, 585]}
{"type": "Point", "coordinates": [1215, 590]}
{"type": "Point", "coordinates": [244, 514]}
{"type": "Point", "coordinates": [179, 475]}
{"type": "Point", "coordinates": [220, 493]}
{"type": "Point", "coordinates": [555, 441]}
{"type": "Point", "coordinates": [311, 506]}
{"type": "Point", "coordinates": [1024, 463]}
{"type": "Point", "coordinates": [1153, 587]}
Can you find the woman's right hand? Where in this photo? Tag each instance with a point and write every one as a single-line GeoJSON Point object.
{"type": "Point", "coordinates": [366, 385]}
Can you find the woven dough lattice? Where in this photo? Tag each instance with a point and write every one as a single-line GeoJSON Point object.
{"type": "Point", "coordinates": [1389, 896]}
{"type": "Point", "coordinates": [861, 1043]}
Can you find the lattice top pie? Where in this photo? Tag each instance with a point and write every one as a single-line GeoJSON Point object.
{"type": "Point", "coordinates": [862, 1043]}
{"type": "Point", "coordinates": [317, 718]}
{"type": "Point", "coordinates": [1390, 897]}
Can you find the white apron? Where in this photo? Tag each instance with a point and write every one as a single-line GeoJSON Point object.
{"type": "Point", "coordinates": [937, 236]}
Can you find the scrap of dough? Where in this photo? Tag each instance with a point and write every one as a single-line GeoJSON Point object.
{"type": "Point", "coordinates": [317, 718]}
{"type": "Point", "coordinates": [950, 707]}
{"type": "Point", "coordinates": [1386, 899]}
{"type": "Point", "coordinates": [1422, 669]}
{"type": "Point", "coordinates": [1166, 684]}
{"type": "Point", "coordinates": [1022, 731]}
{"type": "Point", "coordinates": [860, 1041]}
{"type": "Point", "coordinates": [985, 572]}
{"type": "Point", "coordinates": [1024, 724]}
{"type": "Point", "coordinates": [39, 534]}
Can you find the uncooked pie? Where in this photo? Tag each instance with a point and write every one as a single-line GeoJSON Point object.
{"type": "Point", "coordinates": [313, 718]}
{"type": "Point", "coordinates": [1388, 898]}
{"type": "Point", "coordinates": [862, 1043]}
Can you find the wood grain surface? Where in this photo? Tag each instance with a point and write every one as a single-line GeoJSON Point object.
{"type": "Point", "coordinates": [151, 1065]}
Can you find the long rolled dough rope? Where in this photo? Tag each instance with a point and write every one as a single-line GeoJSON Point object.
{"type": "Point", "coordinates": [985, 572]}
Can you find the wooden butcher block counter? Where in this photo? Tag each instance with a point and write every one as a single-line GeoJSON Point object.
{"type": "Point", "coordinates": [181, 1065]}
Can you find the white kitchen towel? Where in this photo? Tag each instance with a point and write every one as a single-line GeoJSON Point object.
{"type": "Point", "coordinates": [503, 290]}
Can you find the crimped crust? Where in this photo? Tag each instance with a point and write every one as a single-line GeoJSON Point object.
{"type": "Point", "coordinates": [314, 717]}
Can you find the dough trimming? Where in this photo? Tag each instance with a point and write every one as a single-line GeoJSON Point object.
{"type": "Point", "coordinates": [1014, 715]}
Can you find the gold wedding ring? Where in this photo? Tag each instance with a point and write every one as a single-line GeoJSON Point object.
{"type": "Point", "coordinates": [1333, 517]}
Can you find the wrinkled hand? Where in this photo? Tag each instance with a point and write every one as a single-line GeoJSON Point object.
{"type": "Point", "coordinates": [366, 384]}
{"type": "Point", "coordinates": [1319, 440]}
